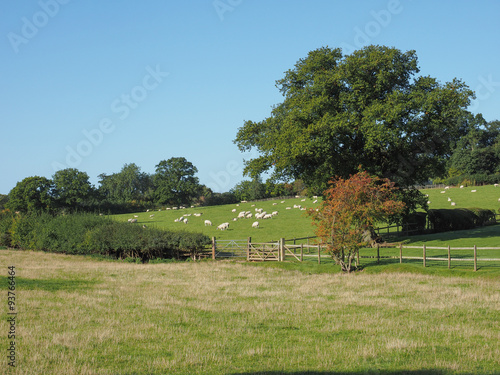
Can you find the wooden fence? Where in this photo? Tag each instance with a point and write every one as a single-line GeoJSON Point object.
{"type": "Point", "coordinates": [281, 251]}
{"type": "Point", "coordinates": [426, 257]}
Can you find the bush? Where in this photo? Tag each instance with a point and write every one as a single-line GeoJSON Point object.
{"type": "Point", "coordinates": [443, 220]}
{"type": "Point", "coordinates": [415, 222]}
{"type": "Point", "coordinates": [88, 234]}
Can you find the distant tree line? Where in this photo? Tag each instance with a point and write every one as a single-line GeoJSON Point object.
{"type": "Point", "coordinates": [173, 184]}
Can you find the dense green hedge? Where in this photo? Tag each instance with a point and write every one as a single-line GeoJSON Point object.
{"type": "Point", "coordinates": [470, 179]}
{"type": "Point", "coordinates": [442, 220]}
{"type": "Point", "coordinates": [91, 234]}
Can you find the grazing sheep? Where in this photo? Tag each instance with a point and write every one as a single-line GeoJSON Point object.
{"type": "Point", "coordinates": [449, 199]}
{"type": "Point", "coordinates": [151, 216]}
{"type": "Point", "coordinates": [461, 186]}
{"type": "Point", "coordinates": [315, 201]}
{"type": "Point", "coordinates": [176, 220]}
{"type": "Point", "coordinates": [223, 226]}
{"type": "Point", "coordinates": [133, 221]}
{"type": "Point", "coordinates": [144, 226]}
{"type": "Point", "coordinates": [473, 191]}
{"type": "Point", "coordinates": [268, 216]}
{"type": "Point", "coordinates": [274, 204]}
{"type": "Point", "coordinates": [249, 216]}
{"type": "Point", "coordinates": [303, 200]}
{"type": "Point", "coordinates": [495, 185]}
{"type": "Point", "coordinates": [208, 222]}
{"type": "Point", "coordinates": [428, 202]}
{"type": "Point", "coordinates": [446, 187]}
{"type": "Point", "coordinates": [443, 192]}
{"type": "Point", "coordinates": [235, 219]}
{"type": "Point", "coordinates": [233, 210]}
{"type": "Point", "coordinates": [136, 216]}
{"type": "Point", "coordinates": [255, 224]}
{"type": "Point", "coordinates": [453, 203]}
{"type": "Point", "coordinates": [129, 220]}
{"type": "Point", "coordinates": [288, 208]}
{"type": "Point", "coordinates": [185, 220]}
{"type": "Point", "coordinates": [315, 196]}
{"type": "Point", "coordinates": [282, 202]}
{"type": "Point", "coordinates": [274, 213]}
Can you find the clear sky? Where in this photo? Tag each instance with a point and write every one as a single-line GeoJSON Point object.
{"type": "Point", "coordinates": [94, 85]}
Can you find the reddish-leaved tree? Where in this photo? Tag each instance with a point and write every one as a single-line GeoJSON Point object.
{"type": "Point", "coordinates": [350, 208]}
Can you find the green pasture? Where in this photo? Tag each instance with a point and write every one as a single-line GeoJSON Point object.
{"type": "Point", "coordinates": [294, 223]}
{"type": "Point", "coordinates": [485, 197]}
{"type": "Point", "coordinates": [287, 224]}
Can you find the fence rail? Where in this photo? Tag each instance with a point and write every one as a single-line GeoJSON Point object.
{"type": "Point", "coordinates": [280, 250]}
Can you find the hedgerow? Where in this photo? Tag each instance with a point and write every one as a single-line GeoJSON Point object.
{"type": "Point", "coordinates": [87, 234]}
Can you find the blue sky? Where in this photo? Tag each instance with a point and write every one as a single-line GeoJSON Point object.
{"type": "Point", "coordinates": [95, 85]}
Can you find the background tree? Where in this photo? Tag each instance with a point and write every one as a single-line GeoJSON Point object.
{"type": "Point", "coordinates": [72, 189]}
{"type": "Point", "coordinates": [175, 182]}
{"type": "Point", "coordinates": [368, 108]}
{"type": "Point", "coordinates": [32, 194]}
{"type": "Point", "coordinates": [350, 208]}
{"type": "Point", "coordinates": [127, 186]}
{"type": "Point", "coordinates": [478, 151]}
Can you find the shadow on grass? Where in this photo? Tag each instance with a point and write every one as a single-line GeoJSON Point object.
{"type": "Point", "coordinates": [52, 285]}
{"type": "Point", "coordinates": [374, 371]}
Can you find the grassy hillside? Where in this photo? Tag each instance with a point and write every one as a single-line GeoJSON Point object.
{"type": "Point", "coordinates": [288, 223]}
{"type": "Point", "coordinates": [292, 223]}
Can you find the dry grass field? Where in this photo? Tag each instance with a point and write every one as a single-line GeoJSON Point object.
{"type": "Point", "coordinates": [83, 316]}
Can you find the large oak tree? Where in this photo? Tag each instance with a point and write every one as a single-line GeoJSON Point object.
{"type": "Point", "coordinates": [369, 109]}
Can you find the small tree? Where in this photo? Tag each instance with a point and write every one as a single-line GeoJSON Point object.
{"type": "Point", "coordinates": [350, 208]}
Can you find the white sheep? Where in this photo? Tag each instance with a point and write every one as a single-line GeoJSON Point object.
{"type": "Point", "coordinates": [443, 192]}
{"type": "Point", "coordinates": [208, 222]}
{"type": "Point", "coordinates": [255, 224]}
{"type": "Point", "coordinates": [282, 201]}
{"type": "Point", "coordinates": [274, 204]}
{"type": "Point", "coordinates": [248, 216]}
{"type": "Point", "coordinates": [495, 185]}
{"type": "Point", "coordinates": [274, 213]}
{"type": "Point", "coordinates": [315, 201]}
{"type": "Point", "coordinates": [136, 216]}
{"type": "Point", "coordinates": [449, 199]}
{"type": "Point", "coordinates": [223, 226]}
{"type": "Point", "coordinates": [303, 200]}
{"type": "Point", "coordinates": [473, 191]}
{"type": "Point", "coordinates": [268, 216]}
{"type": "Point", "coordinates": [233, 210]}
{"type": "Point", "coordinates": [288, 208]}
{"type": "Point", "coordinates": [133, 221]}
{"type": "Point", "coordinates": [315, 196]}
{"type": "Point", "coordinates": [453, 203]}
{"type": "Point", "coordinates": [185, 220]}
{"type": "Point", "coordinates": [151, 216]}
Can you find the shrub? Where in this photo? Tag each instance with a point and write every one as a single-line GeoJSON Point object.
{"type": "Point", "coordinates": [443, 220]}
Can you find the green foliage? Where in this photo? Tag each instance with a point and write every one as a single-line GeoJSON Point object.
{"type": "Point", "coordinates": [32, 194]}
{"type": "Point", "coordinates": [72, 189]}
{"type": "Point", "coordinates": [87, 234]}
{"type": "Point", "coordinates": [443, 220]}
{"type": "Point", "coordinates": [368, 108]}
{"type": "Point", "coordinates": [175, 183]}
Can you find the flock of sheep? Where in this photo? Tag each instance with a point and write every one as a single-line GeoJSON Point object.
{"type": "Point", "coordinates": [259, 213]}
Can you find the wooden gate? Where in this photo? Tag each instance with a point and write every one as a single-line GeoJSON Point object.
{"type": "Point", "coordinates": [263, 251]}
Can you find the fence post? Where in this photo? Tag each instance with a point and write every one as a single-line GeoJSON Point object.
{"type": "Point", "coordinates": [449, 257]}
{"type": "Point", "coordinates": [475, 258]}
{"type": "Point", "coordinates": [319, 253]}
{"type": "Point", "coordinates": [378, 253]}
{"type": "Point", "coordinates": [301, 252]}
{"type": "Point", "coordinates": [357, 265]}
{"type": "Point", "coordinates": [282, 250]}
{"type": "Point", "coordinates": [213, 247]}
{"type": "Point", "coordinates": [401, 253]}
{"type": "Point", "coordinates": [424, 253]}
{"type": "Point", "coordinates": [249, 241]}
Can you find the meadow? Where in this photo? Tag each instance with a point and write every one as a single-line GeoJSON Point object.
{"type": "Point", "coordinates": [295, 223]}
{"type": "Point", "coordinates": [78, 315]}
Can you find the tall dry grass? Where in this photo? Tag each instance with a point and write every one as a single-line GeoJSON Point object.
{"type": "Point", "coordinates": [82, 316]}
